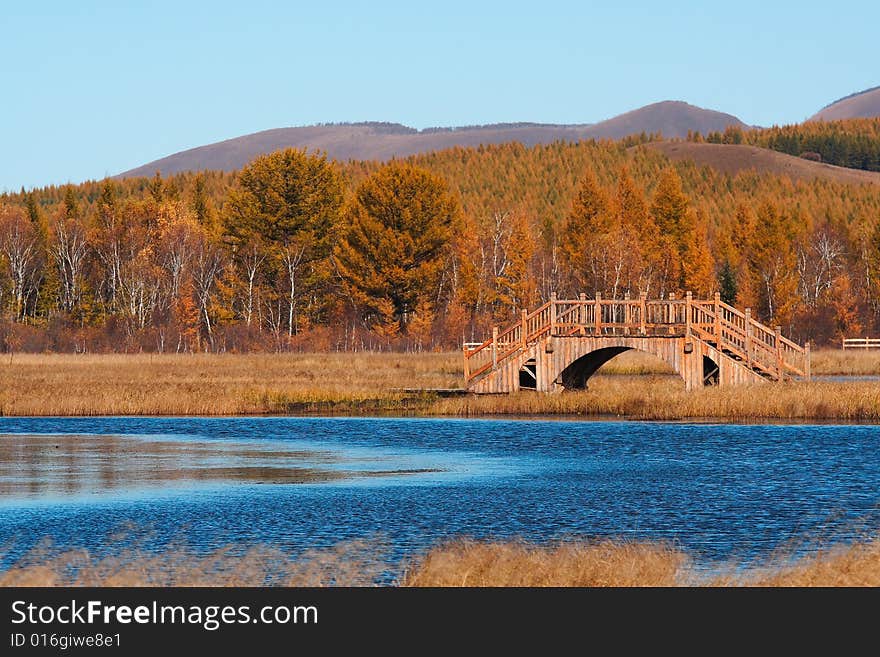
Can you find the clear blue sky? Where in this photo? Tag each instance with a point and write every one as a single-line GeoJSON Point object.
{"type": "Point", "coordinates": [94, 88]}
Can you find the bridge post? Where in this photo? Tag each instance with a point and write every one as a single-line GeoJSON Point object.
{"type": "Point", "coordinates": [778, 331]}
{"type": "Point", "coordinates": [494, 347]}
{"type": "Point", "coordinates": [553, 313]}
{"type": "Point", "coordinates": [688, 301]}
{"type": "Point", "coordinates": [597, 313]}
{"type": "Point", "coordinates": [670, 313]}
{"type": "Point", "coordinates": [717, 308]}
{"type": "Point", "coordinates": [749, 337]}
{"type": "Point", "coordinates": [808, 373]}
{"type": "Point", "coordinates": [467, 365]}
{"type": "Point", "coordinates": [627, 313]}
{"type": "Point", "coordinates": [524, 333]}
{"type": "Point", "coordinates": [582, 313]}
{"type": "Point", "coordinates": [643, 309]}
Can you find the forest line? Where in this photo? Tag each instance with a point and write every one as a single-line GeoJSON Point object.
{"type": "Point", "coordinates": [297, 252]}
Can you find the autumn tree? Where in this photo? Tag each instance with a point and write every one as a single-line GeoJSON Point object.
{"type": "Point", "coordinates": [140, 276]}
{"type": "Point", "coordinates": [207, 264]}
{"type": "Point", "coordinates": [820, 260]}
{"type": "Point", "coordinates": [513, 248]}
{"type": "Point", "coordinates": [631, 244]}
{"type": "Point", "coordinates": [399, 228]}
{"type": "Point", "coordinates": [581, 236]}
{"type": "Point", "coordinates": [772, 265]}
{"type": "Point", "coordinates": [200, 204]}
{"type": "Point", "coordinates": [286, 205]}
{"type": "Point", "coordinates": [697, 266]}
{"type": "Point", "coordinates": [671, 212]}
{"type": "Point", "coordinates": [727, 284]}
{"type": "Point", "coordinates": [69, 246]}
{"type": "Point", "coordinates": [107, 239]}
{"type": "Point", "coordinates": [19, 255]}
{"type": "Point", "coordinates": [500, 261]}
{"type": "Point", "coordinates": [46, 279]}
{"type": "Point", "coordinates": [156, 188]}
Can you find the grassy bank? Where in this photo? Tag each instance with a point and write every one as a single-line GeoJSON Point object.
{"type": "Point", "coordinates": [206, 384]}
{"type": "Point", "coordinates": [632, 385]}
{"type": "Point", "coordinates": [850, 362]}
{"type": "Point", "coordinates": [664, 398]}
{"type": "Point", "coordinates": [463, 563]}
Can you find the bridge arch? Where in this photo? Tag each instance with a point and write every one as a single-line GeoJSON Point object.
{"type": "Point", "coordinates": [569, 363]}
{"type": "Point", "coordinates": [577, 374]}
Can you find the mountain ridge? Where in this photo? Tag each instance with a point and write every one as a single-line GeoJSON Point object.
{"type": "Point", "coordinates": [860, 105]}
{"type": "Point", "coordinates": [375, 140]}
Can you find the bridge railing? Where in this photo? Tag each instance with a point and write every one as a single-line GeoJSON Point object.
{"type": "Point", "coordinates": [597, 316]}
{"type": "Point", "coordinates": [502, 345]}
{"type": "Point", "coordinates": [713, 321]}
{"type": "Point", "coordinates": [860, 343]}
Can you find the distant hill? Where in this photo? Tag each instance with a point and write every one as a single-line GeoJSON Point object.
{"type": "Point", "coordinates": [732, 159]}
{"type": "Point", "coordinates": [383, 141]}
{"type": "Point", "coordinates": [861, 105]}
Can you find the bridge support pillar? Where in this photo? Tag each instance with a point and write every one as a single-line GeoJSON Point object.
{"type": "Point", "coordinates": [545, 372]}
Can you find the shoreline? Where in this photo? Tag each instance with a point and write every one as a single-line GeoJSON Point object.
{"type": "Point", "coordinates": [633, 387]}
{"type": "Point", "coordinates": [500, 417]}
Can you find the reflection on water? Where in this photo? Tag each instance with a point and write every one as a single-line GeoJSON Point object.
{"type": "Point", "coordinates": [717, 491]}
{"type": "Point", "coordinates": [53, 465]}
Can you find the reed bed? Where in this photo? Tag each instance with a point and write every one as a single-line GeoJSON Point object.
{"type": "Point", "coordinates": [664, 398]}
{"type": "Point", "coordinates": [612, 563]}
{"type": "Point", "coordinates": [856, 565]}
{"type": "Point", "coordinates": [606, 563]}
{"type": "Point", "coordinates": [208, 384]}
{"type": "Point", "coordinates": [633, 385]}
{"type": "Point", "coordinates": [849, 362]}
{"type": "Point", "coordinates": [458, 564]}
{"type": "Point", "coordinates": [350, 563]}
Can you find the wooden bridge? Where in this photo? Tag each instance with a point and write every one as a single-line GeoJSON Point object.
{"type": "Point", "coordinates": [562, 344]}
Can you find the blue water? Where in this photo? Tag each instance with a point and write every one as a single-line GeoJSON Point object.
{"type": "Point", "coordinates": [717, 491]}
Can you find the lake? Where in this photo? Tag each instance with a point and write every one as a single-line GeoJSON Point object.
{"type": "Point", "coordinates": [717, 491]}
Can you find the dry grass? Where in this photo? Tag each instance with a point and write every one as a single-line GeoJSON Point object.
{"type": "Point", "coordinates": [351, 563]}
{"type": "Point", "coordinates": [857, 565]}
{"type": "Point", "coordinates": [634, 385]}
{"type": "Point", "coordinates": [461, 563]}
{"type": "Point", "coordinates": [850, 362]}
{"type": "Point", "coordinates": [216, 384]}
{"type": "Point", "coordinates": [664, 398]}
{"type": "Point", "coordinates": [610, 563]}
{"type": "Point", "coordinates": [607, 563]}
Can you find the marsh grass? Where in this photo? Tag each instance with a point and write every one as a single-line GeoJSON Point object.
{"type": "Point", "coordinates": [633, 385]}
{"type": "Point", "coordinates": [614, 563]}
{"type": "Point", "coordinates": [855, 565]}
{"type": "Point", "coordinates": [350, 563]}
{"type": "Point", "coordinates": [217, 384]}
{"type": "Point", "coordinates": [664, 398]}
{"type": "Point", "coordinates": [606, 563]}
{"type": "Point", "coordinates": [462, 563]}
{"type": "Point", "coordinates": [849, 362]}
